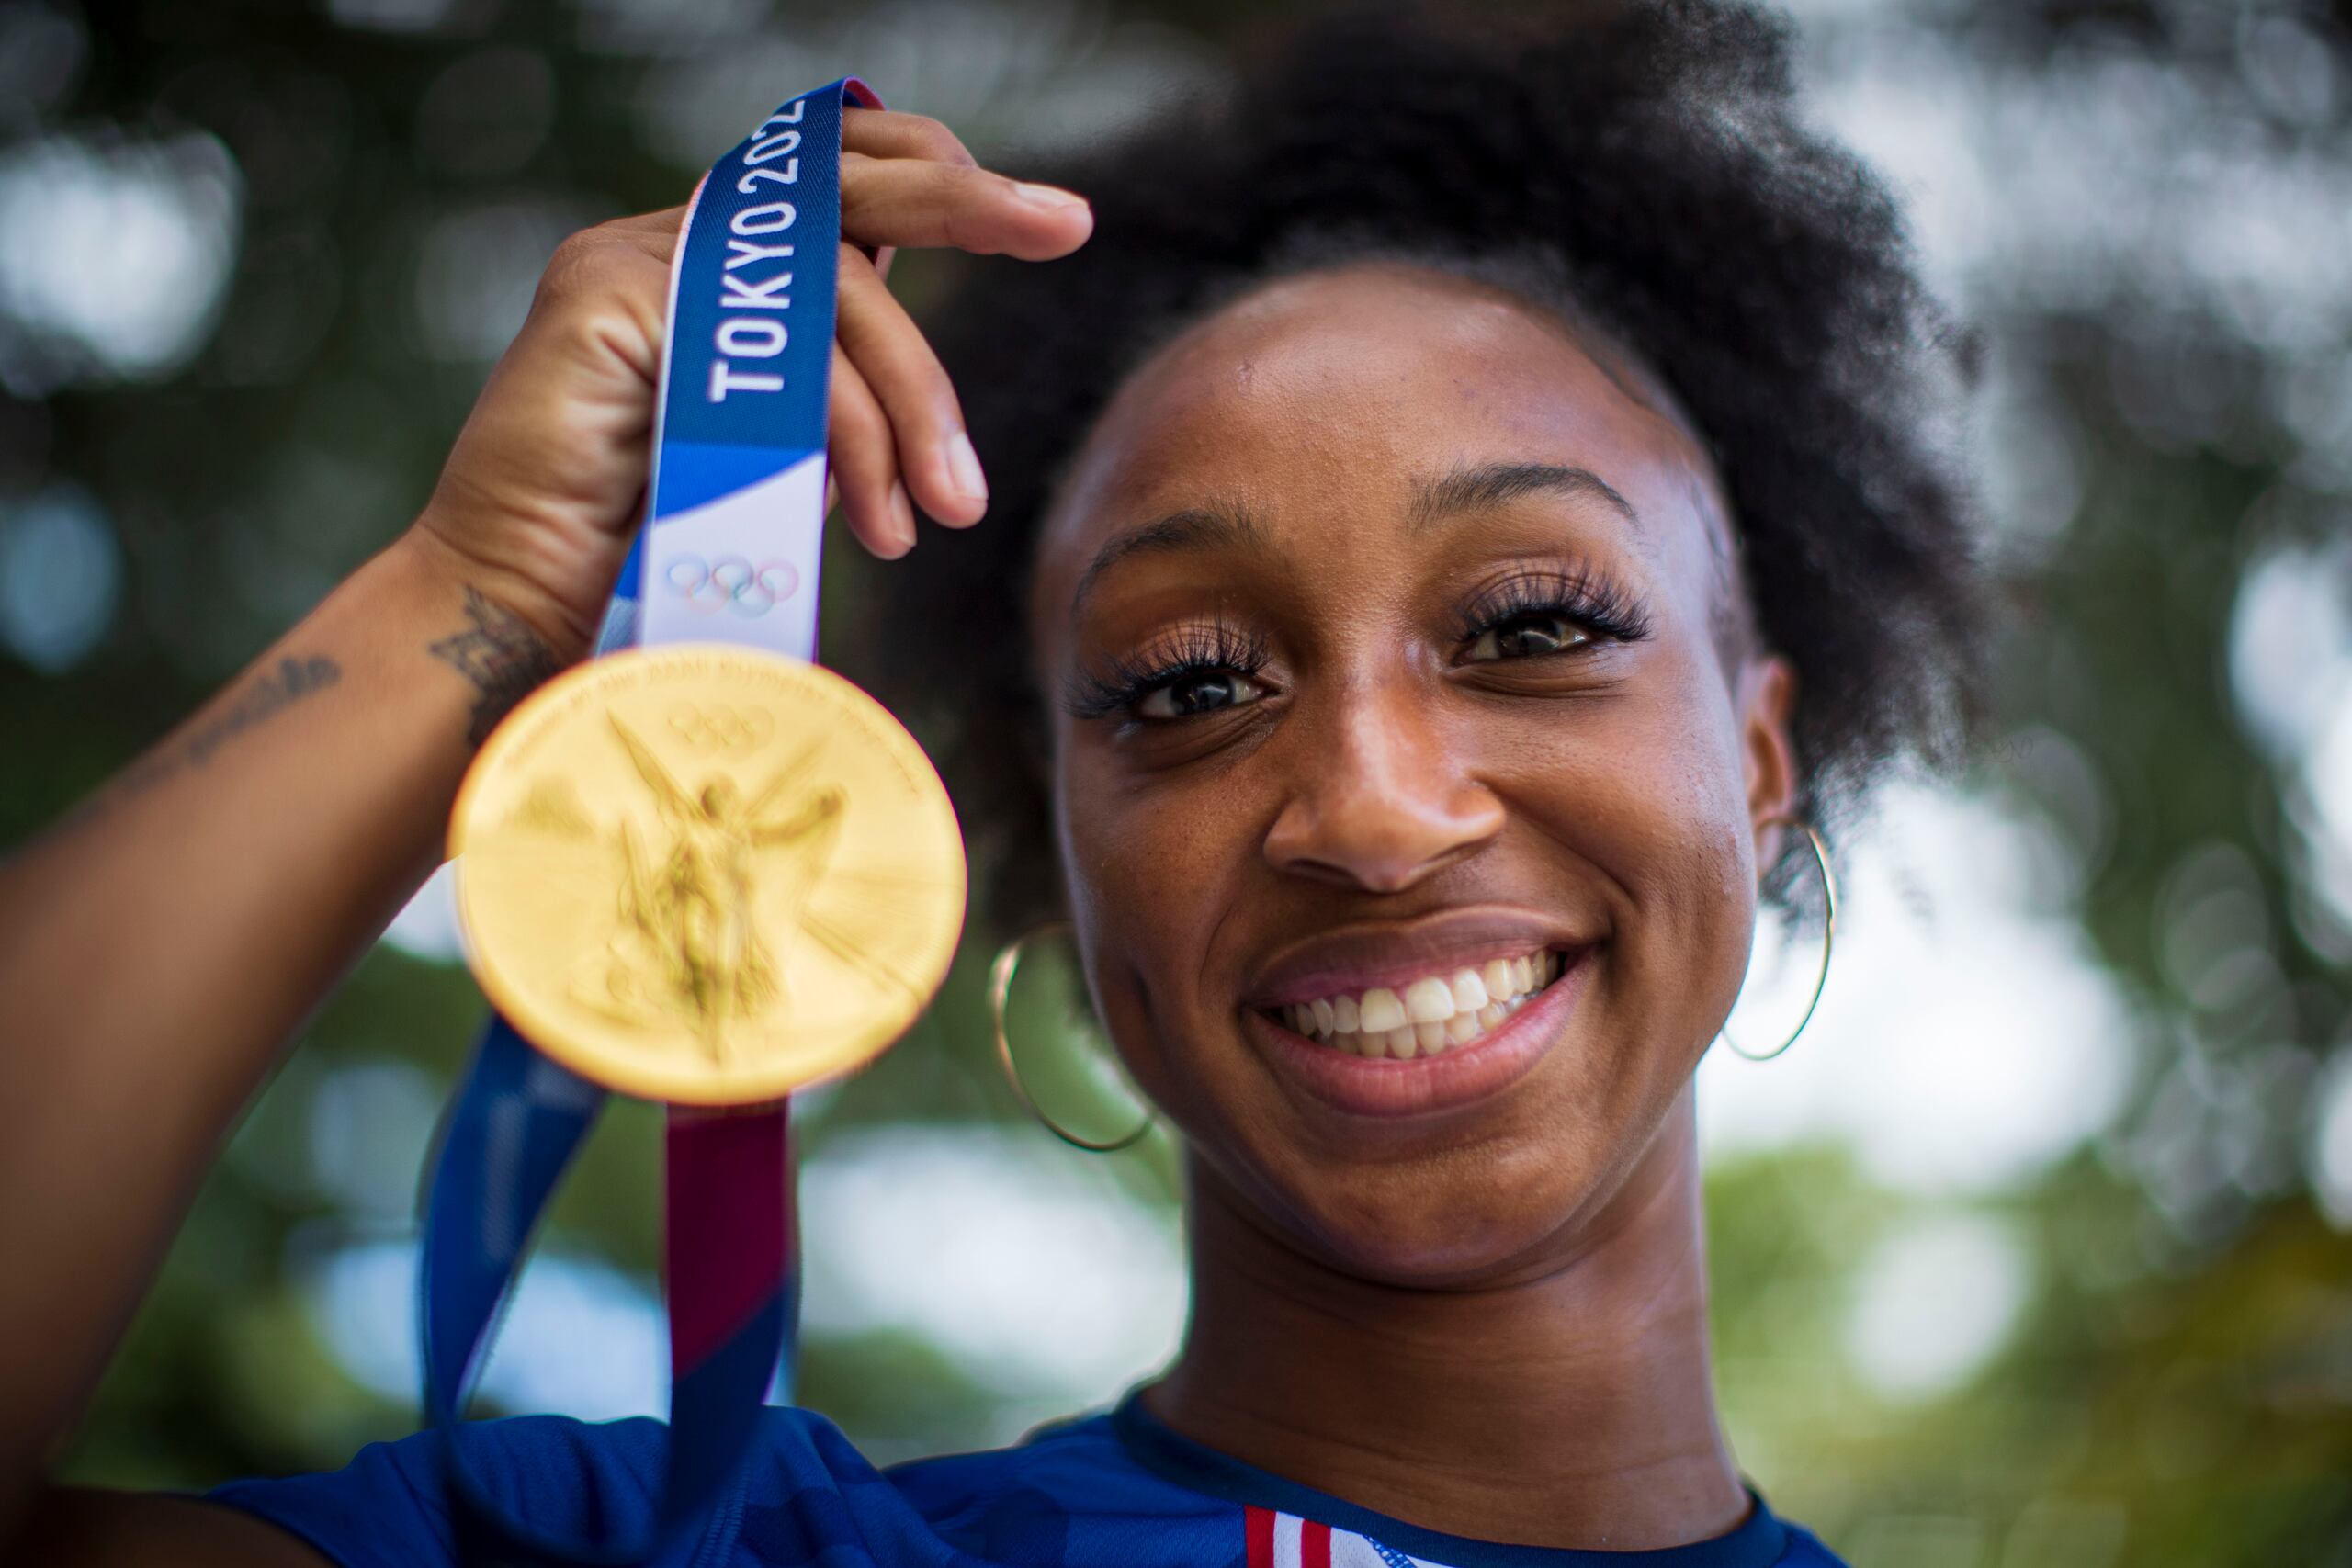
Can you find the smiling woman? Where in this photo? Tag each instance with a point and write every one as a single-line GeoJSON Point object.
{"type": "Point", "coordinates": [1456, 504]}
{"type": "Point", "coordinates": [1488, 481]}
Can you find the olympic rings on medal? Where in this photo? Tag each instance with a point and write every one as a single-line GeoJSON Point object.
{"type": "Point", "coordinates": [708, 727]}
{"type": "Point", "coordinates": [730, 583]}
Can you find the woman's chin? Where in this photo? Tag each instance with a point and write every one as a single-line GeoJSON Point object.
{"type": "Point", "coordinates": [1451, 1226]}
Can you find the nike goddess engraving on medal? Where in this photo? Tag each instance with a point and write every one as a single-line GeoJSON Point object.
{"type": "Point", "coordinates": [708, 875]}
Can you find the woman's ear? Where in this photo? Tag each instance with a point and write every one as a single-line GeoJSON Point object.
{"type": "Point", "coordinates": [1768, 703]}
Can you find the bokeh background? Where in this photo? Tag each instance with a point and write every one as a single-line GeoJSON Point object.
{"type": "Point", "coordinates": [2035, 1250]}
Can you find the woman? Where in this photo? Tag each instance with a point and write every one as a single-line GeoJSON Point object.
{"type": "Point", "coordinates": [1421, 492]}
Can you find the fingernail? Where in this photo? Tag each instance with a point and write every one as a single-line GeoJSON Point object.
{"type": "Point", "coordinates": [903, 513]}
{"type": "Point", "coordinates": [1052, 197]}
{"type": "Point", "coordinates": [964, 469]}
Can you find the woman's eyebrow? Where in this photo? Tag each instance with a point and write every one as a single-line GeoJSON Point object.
{"type": "Point", "coordinates": [1229, 526]}
{"type": "Point", "coordinates": [1216, 525]}
{"type": "Point", "coordinates": [1490, 485]}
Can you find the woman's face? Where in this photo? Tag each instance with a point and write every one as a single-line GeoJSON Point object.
{"type": "Point", "coordinates": [1407, 796]}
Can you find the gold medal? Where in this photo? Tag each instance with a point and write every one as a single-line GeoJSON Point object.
{"type": "Point", "coordinates": [706, 874]}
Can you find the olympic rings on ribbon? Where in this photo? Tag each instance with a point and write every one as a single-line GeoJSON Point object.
{"type": "Point", "coordinates": [730, 583]}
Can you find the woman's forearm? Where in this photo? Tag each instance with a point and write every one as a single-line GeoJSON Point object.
{"type": "Point", "coordinates": [159, 947]}
{"type": "Point", "coordinates": [163, 943]}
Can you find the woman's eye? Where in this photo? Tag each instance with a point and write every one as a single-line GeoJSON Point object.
{"type": "Point", "coordinates": [1528, 636]}
{"type": "Point", "coordinates": [1204, 692]}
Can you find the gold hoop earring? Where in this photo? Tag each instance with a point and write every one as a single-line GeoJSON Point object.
{"type": "Point", "coordinates": [1008, 959]}
{"type": "Point", "coordinates": [1828, 939]}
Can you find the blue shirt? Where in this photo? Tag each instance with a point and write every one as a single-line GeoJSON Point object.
{"type": "Point", "coordinates": [1120, 1490]}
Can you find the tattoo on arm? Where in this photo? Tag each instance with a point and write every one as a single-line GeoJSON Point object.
{"type": "Point", "coordinates": [501, 655]}
{"type": "Point", "coordinates": [268, 694]}
{"type": "Point", "coordinates": [277, 690]}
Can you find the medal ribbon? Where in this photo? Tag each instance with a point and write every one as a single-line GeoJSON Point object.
{"type": "Point", "coordinates": [729, 553]}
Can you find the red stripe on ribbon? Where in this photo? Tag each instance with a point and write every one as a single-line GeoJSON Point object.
{"type": "Point", "coordinates": [727, 1231]}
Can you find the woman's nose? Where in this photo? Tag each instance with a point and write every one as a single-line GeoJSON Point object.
{"type": "Point", "coordinates": [1379, 797]}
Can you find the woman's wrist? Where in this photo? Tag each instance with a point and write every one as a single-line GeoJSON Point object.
{"type": "Point", "coordinates": [502, 635]}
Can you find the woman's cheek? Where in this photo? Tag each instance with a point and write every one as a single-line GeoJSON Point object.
{"type": "Point", "coordinates": [1695, 895]}
{"type": "Point", "coordinates": [1650, 798]}
{"type": "Point", "coordinates": [1701, 910]}
{"type": "Point", "coordinates": [1128, 865]}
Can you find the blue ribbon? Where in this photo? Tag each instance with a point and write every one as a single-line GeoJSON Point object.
{"type": "Point", "coordinates": [728, 553]}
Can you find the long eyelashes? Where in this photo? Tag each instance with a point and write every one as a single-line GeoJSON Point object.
{"type": "Point", "coordinates": [1582, 597]}
{"type": "Point", "coordinates": [1195, 649]}
{"type": "Point", "coordinates": [1585, 598]}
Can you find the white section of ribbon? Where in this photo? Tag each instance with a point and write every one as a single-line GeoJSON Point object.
{"type": "Point", "coordinates": [741, 569]}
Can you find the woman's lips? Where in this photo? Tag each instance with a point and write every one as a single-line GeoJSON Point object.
{"type": "Point", "coordinates": [1485, 1067]}
{"type": "Point", "coordinates": [1382, 954]}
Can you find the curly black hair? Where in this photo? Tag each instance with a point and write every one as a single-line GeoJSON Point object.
{"type": "Point", "coordinates": [1647, 162]}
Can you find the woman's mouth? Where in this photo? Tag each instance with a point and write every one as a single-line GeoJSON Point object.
{"type": "Point", "coordinates": [1427, 1016]}
{"type": "Point", "coordinates": [1440, 1041]}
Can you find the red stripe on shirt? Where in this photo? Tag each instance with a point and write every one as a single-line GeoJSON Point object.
{"type": "Point", "coordinates": [1314, 1544]}
{"type": "Point", "coordinates": [1257, 1530]}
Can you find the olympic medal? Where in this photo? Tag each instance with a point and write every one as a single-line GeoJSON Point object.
{"type": "Point", "coordinates": [706, 874]}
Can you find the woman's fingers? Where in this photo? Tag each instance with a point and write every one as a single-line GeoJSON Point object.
{"type": "Point", "coordinates": [897, 437]}
{"type": "Point", "coordinates": [935, 457]}
{"type": "Point", "coordinates": [888, 133]}
{"type": "Point", "coordinates": [908, 181]}
{"type": "Point", "coordinates": [863, 463]}
{"type": "Point", "coordinates": [655, 233]}
{"type": "Point", "coordinates": [914, 201]}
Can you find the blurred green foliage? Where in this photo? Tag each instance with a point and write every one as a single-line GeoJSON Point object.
{"type": "Point", "coordinates": [2177, 1387]}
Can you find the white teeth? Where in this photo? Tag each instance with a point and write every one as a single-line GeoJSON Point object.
{"type": "Point", "coordinates": [1428, 1001]}
{"type": "Point", "coordinates": [1431, 1015]}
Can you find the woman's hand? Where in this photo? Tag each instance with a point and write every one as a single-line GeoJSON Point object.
{"type": "Point", "coordinates": [545, 486]}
